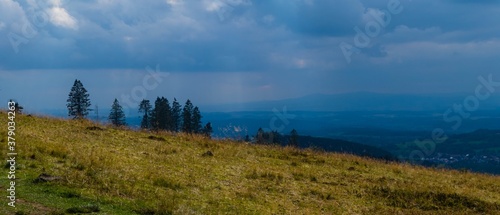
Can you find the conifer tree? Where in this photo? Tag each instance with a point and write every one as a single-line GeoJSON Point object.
{"type": "Point", "coordinates": [187, 113]}
{"type": "Point", "coordinates": [145, 107]}
{"type": "Point", "coordinates": [167, 115]}
{"type": "Point", "coordinates": [196, 121]}
{"type": "Point", "coordinates": [207, 130]}
{"type": "Point", "coordinates": [161, 115]}
{"type": "Point", "coordinates": [116, 116]}
{"type": "Point", "coordinates": [247, 138]}
{"type": "Point", "coordinates": [260, 136]}
{"type": "Point", "coordinates": [275, 137]}
{"type": "Point", "coordinates": [176, 116]}
{"type": "Point", "coordinates": [155, 115]}
{"type": "Point", "coordinates": [78, 101]}
{"type": "Point", "coordinates": [294, 138]}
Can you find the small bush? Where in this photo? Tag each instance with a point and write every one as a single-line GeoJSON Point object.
{"type": "Point", "coordinates": [157, 138]}
{"type": "Point", "coordinates": [79, 167]}
{"type": "Point", "coordinates": [298, 176]}
{"type": "Point", "coordinates": [252, 175]}
{"type": "Point", "coordinates": [162, 208]}
{"type": "Point", "coordinates": [70, 194]}
{"type": "Point", "coordinates": [167, 184]}
{"type": "Point", "coordinates": [21, 213]}
{"type": "Point", "coordinates": [58, 154]}
{"type": "Point", "coordinates": [320, 195]}
{"type": "Point", "coordinates": [94, 128]}
{"type": "Point", "coordinates": [83, 209]}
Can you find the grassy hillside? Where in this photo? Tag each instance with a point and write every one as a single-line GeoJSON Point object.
{"type": "Point", "coordinates": [118, 171]}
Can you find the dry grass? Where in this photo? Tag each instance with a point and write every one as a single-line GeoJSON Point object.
{"type": "Point", "coordinates": [131, 172]}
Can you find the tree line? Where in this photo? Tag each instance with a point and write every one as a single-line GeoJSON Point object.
{"type": "Point", "coordinates": [161, 116]}
{"type": "Point", "coordinates": [274, 137]}
{"type": "Point", "coordinates": [173, 118]}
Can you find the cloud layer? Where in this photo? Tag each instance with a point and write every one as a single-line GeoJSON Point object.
{"type": "Point", "coordinates": [430, 46]}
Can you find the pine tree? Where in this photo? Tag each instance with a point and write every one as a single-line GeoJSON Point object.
{"type": "Point", "coordinates": [161, 115]}
{"type": "Point", "coordinates": [275, 137]}
{"type": "Point", "coordinates": [78, 101]}
{"type": "Point", "coordinates": [167, 115]}
{"type": "Point", "coordinates": [116, 116]}
{"type": "Point", "coordinates": [176, 116]}
{"type": "Point", "coordinates": [155, 115]}
{"type": "Point", "coordinates": [294, 138]}
{"type": "Point", "coordinates": [207, 130]}
{"type": "Point", "coordinates": [247, 139]}
{"type": "Point", "coordinates": [196, 121]}
{"type": "Point", "coordinates": [145, 107]}
{"type": "Point", "coordinates": [260, 136]}
{"type": "Point", "coordinates": [187, 113]}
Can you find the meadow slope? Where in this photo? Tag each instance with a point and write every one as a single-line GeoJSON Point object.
{"type": "Point", "coordinates": [105, 170]}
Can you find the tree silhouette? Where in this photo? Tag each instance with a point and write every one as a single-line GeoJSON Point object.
{"type": "Point", "coordinates": [196, 121]}
{"type": "Point", "coordinates": [116, 116]}
{"type": "Point", "coordinates": [78, 101]}
{"type": "Point", "coordinates": [161, 115]}
{"type": "Point", "coordinates": [176, 115]}
{"type": "Point", "coordinates": [18, 108]}
{"type": "Point", "coordinates": [207, 130]}
{"type": "Point", "coordinates": [187, 121]}
{"type": "Point", "coordinates": [294, 138]}
{"type": "Point", "coordinates": [145, 107]}
{"type": "Point", "coordinates": [260, 136]}
{"type": "Point", "coordinates": [275, 137]}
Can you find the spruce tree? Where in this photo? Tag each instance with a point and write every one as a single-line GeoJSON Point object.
{"type": "Point", "coordinates": [116, 116]}
{"type": "Point", "coordinates": [247, 138]}
{"type": "Point", "coordinates": [196, 121]}
{"type": "Point", "coordinates": [294, 138]}
{"type": "Point", "coordinates": [161, 115]}
{"type": "Point", "coordinates": [207, 130]}
{"type": "Point", "coordinates": [187, 113]}
{"type": "Point", "coordinates": [78, 101]}
{"type": "Point", "coordinates": [176, 115]}
{"type": "Point", "coordinates": [145, 107]}
{"type": "Point", "coordinates": [275, 137]}
{"type": "Point", "coordinates": [155, 115]}
{"type": "Point", "coordinates": [167, 115]}
{"type": "Point", "coordinates": [260, 136]}
{"type": "Point", "coordinates": [156, 119]}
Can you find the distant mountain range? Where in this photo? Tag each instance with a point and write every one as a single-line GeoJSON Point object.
{"type": "Point", "coordinates": [361, 101]}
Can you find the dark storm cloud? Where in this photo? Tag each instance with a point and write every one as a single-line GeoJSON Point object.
{"type": "Point", "coordinates": [282, 48]}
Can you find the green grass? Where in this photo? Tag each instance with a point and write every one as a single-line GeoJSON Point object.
{"type": "Point", "coordinates": [118, 171]}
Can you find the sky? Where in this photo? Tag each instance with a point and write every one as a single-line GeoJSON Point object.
{"type": "Point", "coordinates": [233, 51]}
